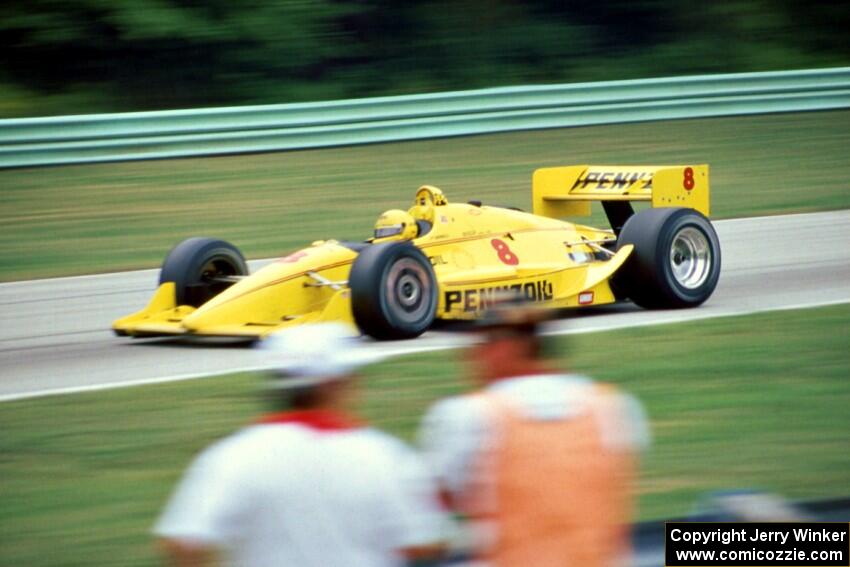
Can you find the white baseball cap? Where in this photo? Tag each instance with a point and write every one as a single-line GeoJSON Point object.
{"type": "Point", "coordinates": [316, 353]}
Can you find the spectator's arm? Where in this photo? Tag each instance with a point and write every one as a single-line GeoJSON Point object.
{"type": "Point", "coordinates": [186, 554]}
{"type": "Point", "coordinates": [424, 554]}
{"type": "Point", "coordinates": [414, 518]}
{"type": "Point", "coordinates": [452, 433]}
{"type": "Point", "coordinates": [209, 505]}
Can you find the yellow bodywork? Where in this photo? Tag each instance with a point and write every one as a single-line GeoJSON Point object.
{"type": "Point", "coordinates": [476, 252]}
{"type": "Point", "coordinates": [568, 191]}
{"type": "Point", "coordinates": [276, 296]}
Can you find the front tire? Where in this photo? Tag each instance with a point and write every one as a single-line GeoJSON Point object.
{"type": "Point", "coordinates": [393, 291]}
{"type": "Point", "coordinates": [199, 268]}
{"type": "Point", "coordinates": [676, 260]}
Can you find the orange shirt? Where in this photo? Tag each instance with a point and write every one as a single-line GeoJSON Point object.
{"type": "Point", "coordinates": [554, 490]}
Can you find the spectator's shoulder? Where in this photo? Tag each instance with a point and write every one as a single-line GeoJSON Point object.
{"type": "Point", "coordinates": [630, 425]}
{"type": "Point", "coordinates": [458, 409]}
{"type": "Point", "coordinates": [380, 440]}
{"type": "Point", "coordinates": [238, 449]}
{"type": "Point", "coordinates": [455, 418]}
{"type": "Point", "coordinates": [638, 422]}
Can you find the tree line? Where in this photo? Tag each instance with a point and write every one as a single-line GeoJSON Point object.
{"type": "Point", "coordinates": [82, 56]}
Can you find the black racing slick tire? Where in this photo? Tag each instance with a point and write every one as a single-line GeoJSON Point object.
{"type": "Point", "coordinates": [675, 262]}
{"type": "Point", "coordinates": [393, 291]}
{"type": "Point", "coordinates": [199, 268]}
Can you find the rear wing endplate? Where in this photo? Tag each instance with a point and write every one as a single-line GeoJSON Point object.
{"type": "Point", "coordinates": [568, 191]}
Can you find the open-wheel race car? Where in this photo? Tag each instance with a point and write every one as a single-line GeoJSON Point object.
{"type": "Point", "coordinates": [442, 260]}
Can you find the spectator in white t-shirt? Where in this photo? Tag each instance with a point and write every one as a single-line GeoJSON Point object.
{"type": "Point", "coordinates": [309, 486]}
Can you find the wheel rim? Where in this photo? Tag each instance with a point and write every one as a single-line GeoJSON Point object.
{"type": "Point", "coordinates": [690, 258]}
{"type": "Point", "coordinates": [408, 290]}
{"type": "Point", "coordinates": [215, 268]}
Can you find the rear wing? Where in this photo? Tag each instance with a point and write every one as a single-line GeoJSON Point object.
{"type": "Point", "coordinates": [568, 191]}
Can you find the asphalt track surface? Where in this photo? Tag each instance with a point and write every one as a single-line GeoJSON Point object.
{"type": "Point", "coordinates": [55, 337]}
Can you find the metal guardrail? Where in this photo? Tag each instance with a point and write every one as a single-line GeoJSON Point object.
{"type": "Point", "coordinates": [200, 132]}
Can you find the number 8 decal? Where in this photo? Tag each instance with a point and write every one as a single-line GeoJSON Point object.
{"type": "Point", "coordinates": [688, 182]}
{"type": "Point", "coordinates": [506, 255]}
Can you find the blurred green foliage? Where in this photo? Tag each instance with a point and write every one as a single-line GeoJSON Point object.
{"type": "Point", "coordinates": [83, 56]}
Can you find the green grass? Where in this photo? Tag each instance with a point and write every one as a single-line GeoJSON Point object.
{"type": "Point", "coordinates": [756, 401]}
{"type": "Point", "coordinates": [84, 219]}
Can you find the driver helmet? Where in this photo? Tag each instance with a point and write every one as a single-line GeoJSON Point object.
{"type": "Point", "coordinates": [395, 224]}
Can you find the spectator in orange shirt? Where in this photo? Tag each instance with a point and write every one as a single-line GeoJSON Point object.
{"type": "Point", "coordinates": [540, 461]}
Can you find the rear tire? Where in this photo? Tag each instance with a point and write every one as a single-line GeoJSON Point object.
{"type": "Point", "coordinates": [676, 260]}
{"type": "Point", "coordinates": [393, 291]}
{"type": "Point", "coordinates": [194, 263]}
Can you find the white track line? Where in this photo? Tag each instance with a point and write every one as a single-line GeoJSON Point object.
{"type": "Point", "coordinates": [396, 350]}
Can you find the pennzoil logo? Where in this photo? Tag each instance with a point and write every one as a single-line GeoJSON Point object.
{"type": "Point", "coordinates": [482, 298]}
{"type": "Point", "coordinates": [614, 180]}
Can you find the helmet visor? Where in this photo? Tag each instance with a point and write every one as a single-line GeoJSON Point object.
{"type": "Point", "coordinates": [385, 231]}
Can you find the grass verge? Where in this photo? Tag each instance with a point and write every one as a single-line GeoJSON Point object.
{"type": "Point", "coordinates": [753, 401]}
{"type": "Point", "coordinates": [85, 219]}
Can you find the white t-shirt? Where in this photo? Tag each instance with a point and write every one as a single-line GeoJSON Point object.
{"type": "Point", "coordinates": [456, 430]}
{"type": "Point", "coordinates": [288, 494]}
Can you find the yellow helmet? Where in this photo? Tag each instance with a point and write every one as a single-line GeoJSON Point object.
{"type": "Point", "coordinates": [427, 197]}
{"type": "Point", "coordinates": [395, 224]}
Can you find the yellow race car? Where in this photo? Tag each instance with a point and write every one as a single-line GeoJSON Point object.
{"type": "Point", "coordinates": [442, 260]}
